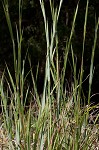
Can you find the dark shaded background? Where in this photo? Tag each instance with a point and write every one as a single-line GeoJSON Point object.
{"type": "Point", "coordinates": [34, 36]}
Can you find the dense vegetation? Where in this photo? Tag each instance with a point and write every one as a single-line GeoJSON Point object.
{"type": "Point", "coordinates": [49, 74]}
{"type": "Point", "coordinates": [33, 26]}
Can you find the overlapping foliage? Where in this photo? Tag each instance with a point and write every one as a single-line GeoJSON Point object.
{"type": "Point", "coordinates": [55, 119]}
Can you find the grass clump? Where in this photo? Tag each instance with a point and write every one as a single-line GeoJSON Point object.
{"type": "Point", "coordinates": [54, 120]}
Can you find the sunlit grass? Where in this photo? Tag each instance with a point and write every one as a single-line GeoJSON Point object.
{"type": "Point", "coordinates": [54, 120]}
